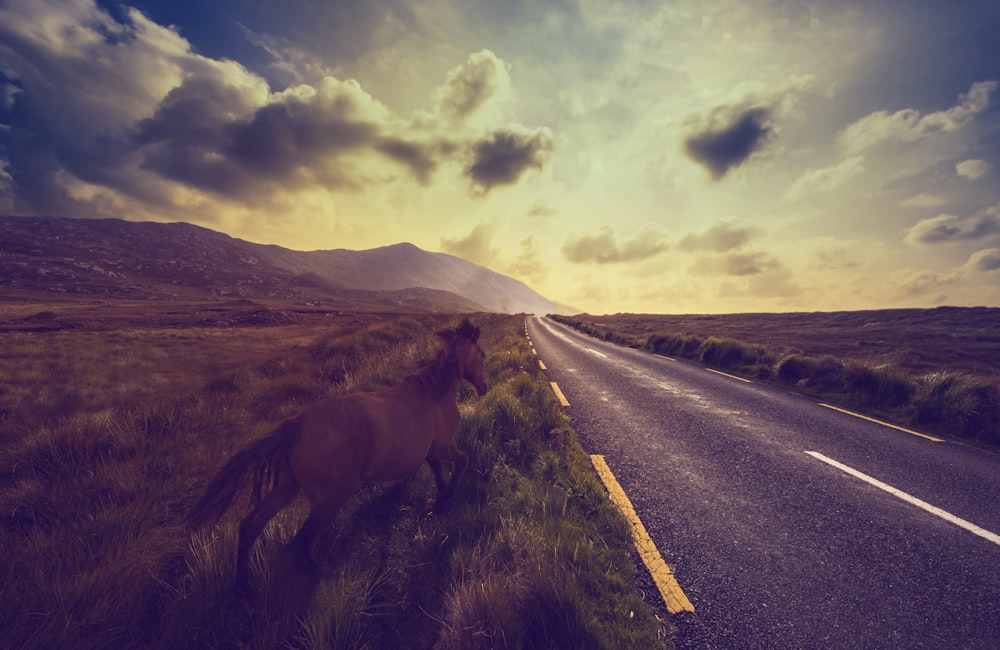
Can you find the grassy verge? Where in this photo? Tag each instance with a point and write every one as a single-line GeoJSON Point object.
{"type": "Point", "coordinates": [531, 554]}
{"type": "Point", "coordinates": [950, 403]}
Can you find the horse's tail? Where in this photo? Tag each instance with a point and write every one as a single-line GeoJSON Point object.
{"type": "Point", "coordinates": [260, 458]}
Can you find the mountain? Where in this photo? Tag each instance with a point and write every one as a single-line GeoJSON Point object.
{"type": "Point", "coordinates": [171, 261]}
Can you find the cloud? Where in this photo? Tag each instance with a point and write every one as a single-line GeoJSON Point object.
{"type": "Point", "coordinates": [973, 169]}
{"type": "Point", "coordinates": [835, 258]}
{"type": "Point", "coordinates": [817, 181]}
{"type": "Point", "coordinates": [720, 238]}
{"type": "Point", "coordinates": [984, 261]}
{"type": "Point", "coordinates": [331, 31]}
{"type": "Point", "coordinates": [923, 201]}
{"type": "Point", "coordinates": [924, 283]}
{"type": "Point", "coordinates": [540, 210]}
{"type": "Point", "coordinates": [773, 282]}
{"type": "Point", "coordinates": [475, 247]}
{"type": "Point", "coordinates": [921, 283]}
{"type": "Point", "coordinates": [478, 247]}
{"type": "Point", "coordinates": [948, 227]}
{"type": "Point", "coordinates": [736, 264]}
{"type": "Point", "coordinates": [909, 125]}
{"type": "Point", "coordinates": [420, 159]}
{"type": "Point", "coordinates": [471, 85]}
{"type": "Point", "coordinates": [730, 138]}
{"type": "Point", "coordinates": [111, 116]}
{"type": "Point", "coordinates": [131, 108]}
{"type": "Point", "coordinates": [207, 135]}
{"type": "Point", "coordinates": [882, 127]}
{"type": "Point", "coordinates": [503, 156]}
{"type": "Point", "coordinates": [604, 248]}
{"type": "Point", "coordinates": [528, 263]}
{"type": "Point", "coordinates": [943, 227]}
{"type": "Point", "coordinates": [81, 79]}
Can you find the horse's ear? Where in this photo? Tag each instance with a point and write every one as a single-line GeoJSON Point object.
{"type": "Point", "coordinates": [465, 330]}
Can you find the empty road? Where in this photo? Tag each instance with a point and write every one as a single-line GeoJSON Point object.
{"type": "Point", "coordinates": [788, 524]}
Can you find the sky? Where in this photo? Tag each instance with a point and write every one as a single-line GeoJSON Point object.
{"type": "Point", "coordinates": [722, 156]}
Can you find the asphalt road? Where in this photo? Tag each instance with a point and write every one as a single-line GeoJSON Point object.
{"type": "Point", "coordinates": [775, 547]}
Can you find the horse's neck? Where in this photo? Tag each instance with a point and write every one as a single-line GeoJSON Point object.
{"type": "Point", "coordinates": [422, 390]}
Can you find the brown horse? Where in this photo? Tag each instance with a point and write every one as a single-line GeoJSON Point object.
{"type": "Point", "coordinates": [337, 444]}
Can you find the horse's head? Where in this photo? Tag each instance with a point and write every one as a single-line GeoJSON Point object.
{"type": "Point", "coordinates": [468, 353]}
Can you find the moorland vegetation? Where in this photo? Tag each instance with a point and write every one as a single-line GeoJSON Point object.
{"type": "Point", "coordinates": [108, 438]}
{"type": "Point", "coordinates": [932, 369]}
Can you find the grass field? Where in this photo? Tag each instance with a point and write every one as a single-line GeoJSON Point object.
{"type": "Point", "coordinates": [114, 418]}
{"type": "Point", "coordinates": [934, 369]}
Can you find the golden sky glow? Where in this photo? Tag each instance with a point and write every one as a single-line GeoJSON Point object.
{"type": "Point", "coordinates": [721, 156]}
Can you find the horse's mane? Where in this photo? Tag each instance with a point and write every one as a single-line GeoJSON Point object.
{"type": "Point", "coordinates": [437, 373]}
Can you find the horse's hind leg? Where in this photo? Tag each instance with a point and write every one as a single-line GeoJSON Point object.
{"type": "Point", "coordinates": [285, 490]}
{"type": "Point", "coordinates": [320, 517]}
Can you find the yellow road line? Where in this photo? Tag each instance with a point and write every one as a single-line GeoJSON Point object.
{"type": "Point", "coordinates": [725, 374]}
{"type": "Point", "coordinates": [673, 596]}
{"type": "Point", "coordinates": [541, 365]}
{"type": "Point", "coordinates": [885, 424]}
{"type": "Point", "coordinates": [534, 351]}
{"type": "Point", "coordinates": [559, 393]}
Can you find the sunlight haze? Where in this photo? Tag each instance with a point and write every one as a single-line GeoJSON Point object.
{"type": "Point", "coordinates": [671, 157]}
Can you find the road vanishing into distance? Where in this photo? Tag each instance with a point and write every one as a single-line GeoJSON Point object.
{"type": "Point", "coordinates": [788, 524]}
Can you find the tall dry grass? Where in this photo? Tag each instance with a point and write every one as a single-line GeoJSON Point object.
{"type": "Point", "coordinates": [531, 554]}
{"type": "Point", "coordinates": [945, 402]}
{"type": "Point", "coordinates": [48, 376]}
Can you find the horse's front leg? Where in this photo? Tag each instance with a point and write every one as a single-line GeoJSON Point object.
{"type": "Point", "coordinates": [438, 474]}
{"type": "Point", "coordinates": [461, 460]}
{"type": "Point", "coordinates": [452, 454]}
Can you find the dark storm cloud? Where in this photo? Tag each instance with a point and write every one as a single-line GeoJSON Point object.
{"type": "Point", "coordinates": [37, 151]}
{"type": "Point", "coordinates": [948, 227]}
{"type": "Point", "coordinates": [503, 156]}
{"type": "Point", "coordinates": [71, 76]}
{"type": "Point", "coordinates": [188, 135]}
{"type": "Point", "coordinates": [96, 107]}
{"type": "Point", "coordinates": [205, 134]}
{"type": "Point", "coordinates": [604, 248]}
{"type": "Point", "coordinates": [285, 136]}
{"type": "Point", "coordinates": [730, 138]}
{"type": "Point", "coordinates": [418, 158]}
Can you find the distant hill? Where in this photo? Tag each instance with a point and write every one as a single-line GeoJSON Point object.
{"type": "Point", "coordinates": [120, 259]}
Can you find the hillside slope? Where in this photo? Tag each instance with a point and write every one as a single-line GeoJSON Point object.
{"type": "Point", "coordinates": [164, 261]}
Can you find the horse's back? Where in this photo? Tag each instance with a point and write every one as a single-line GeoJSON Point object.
{"type": "Point", "coordinates": [335, 438]}
{"type": "Point", "coordinates": [358, 437]}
